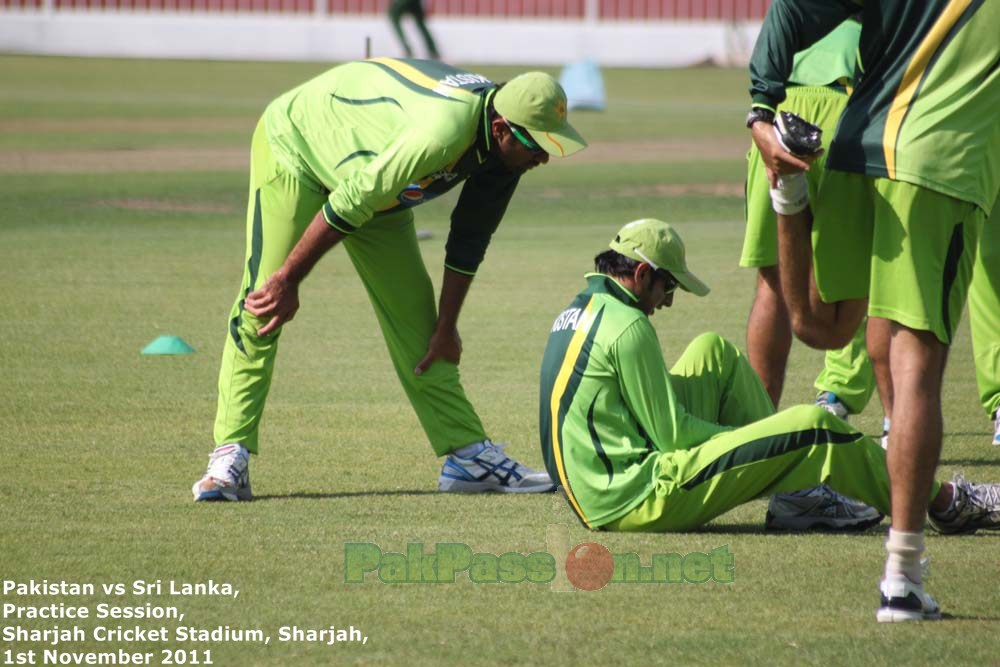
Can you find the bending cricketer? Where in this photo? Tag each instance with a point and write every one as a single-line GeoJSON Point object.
{"type": "Point", "coordinates": [342, 159]}
{"type": "Point", "coordinates": [639, 448]}
{"type": "Point", "coordinates": [912, 172]}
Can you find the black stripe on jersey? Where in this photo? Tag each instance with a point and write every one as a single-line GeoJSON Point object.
{"type": "Point", "coordinates": [364, 102]}
{"type": "Point", "coordinates": [253, 267]}
{"type": "Point", "coordinates": [354, 155]}
{"type": "Point", "coordinates": [955, 249]}
{"type": "Point", "coordinates": [769, 447]}
{"type": "Point", "coordinates": [601, 454]}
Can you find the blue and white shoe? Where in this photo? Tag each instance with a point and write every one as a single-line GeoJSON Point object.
{"type": "Point", "coordinates": [902, 600]}
{"type": "Point", "coordinates": [227, 477]}
{"type": "Point", "coordinates": [996, 428]}
{"type": "Point", "coordinates": [829, 402]}
{"type": "Point", "coordinates": [488, 470]}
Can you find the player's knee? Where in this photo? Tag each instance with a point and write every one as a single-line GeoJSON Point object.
{"type": "Point", "coordinates": [712, 343]}
{"type": "Point", "coordinates": [812, 416]}
{"type": "Point", "coordinates": [713, 346]}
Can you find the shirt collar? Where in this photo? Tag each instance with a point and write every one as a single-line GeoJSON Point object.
{"type": "Point", "coordinates": [600, 283]}
{"type": "Point", "coordinates": [484, 136]}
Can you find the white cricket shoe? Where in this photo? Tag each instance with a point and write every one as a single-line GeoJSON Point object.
{"type": "Point", "coordinates": [975, 506]}
{"type": "Point", "coordinates": [829, 402]}
{"type": "Point", "coordinates": [996, 428]}
{"type": "Point", "coordinates": [227, 477]}
{"type": "Point", "coordinates": [818, 508]}
{"type": "Point", "coordinates": [491, 470]}
{"type": "Point", "coordinates": [902, 600]}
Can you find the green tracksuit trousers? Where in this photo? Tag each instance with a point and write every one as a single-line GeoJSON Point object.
{"type": "Point", "coordinates": [984, 313]}
{"type": "Point", "coordinates": [795, 449]}
{"type": "Point", "coordinates": [386, 256]}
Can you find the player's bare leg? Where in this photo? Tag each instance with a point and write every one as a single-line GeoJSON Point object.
{"type": "Point", "coordinates": [917, 360]}
{"type": "Point", "coordinates": [769, 333]}
{"type": "Point", "coordinates": [878, 335]}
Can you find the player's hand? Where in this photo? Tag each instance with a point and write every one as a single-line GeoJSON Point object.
{"type": "Point", "coordinates": [445, 345]}
{"type": "Point", "coordinates": [777, 160]}
{"type": "Point", "coordinates": [277, 299]}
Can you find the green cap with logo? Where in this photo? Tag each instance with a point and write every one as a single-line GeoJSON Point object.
{"type": "Point", "coordinates": [537, 102]}
{"type": "Point", "coordinates": [659, 245]}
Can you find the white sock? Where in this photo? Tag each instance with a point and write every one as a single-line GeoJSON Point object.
{"type": "Point", "coordinates": [904, 551]}
{"type": "Point", "coordinates": [886, 422]}
{"type": "Point", "coordinates": [469, 451]}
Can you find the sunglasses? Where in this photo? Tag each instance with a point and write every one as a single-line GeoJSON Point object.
{"type": "Point", "coordinates": [522, 135]}
{"type": "Point", "coordinates": [671, 283]}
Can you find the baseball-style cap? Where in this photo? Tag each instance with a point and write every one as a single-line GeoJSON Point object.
{"type": "Point", "coordinates": [656, 243]}
{"type": "Point", "coordinates": [537, 102]}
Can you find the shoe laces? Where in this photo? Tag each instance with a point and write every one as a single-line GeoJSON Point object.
{"type": "Point", "coordinates": [227, 466]}
{"type": "Point", "coordinates": [495, 452]}
{"type": "Point", "coordinates": [984, 497]}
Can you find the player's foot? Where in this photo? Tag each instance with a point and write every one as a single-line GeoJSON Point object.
{"type": "Point", "coordinates": [489, 469]}
{"type": "Point", "coordinates": [996, 428]}
{"type": "Point", "coordinates": [902, 600]}
{"type": "Point", "coordinates": [829, 402]}
{"type": "Point", "coordinates": [885, 434]}
{"type": "Point", "coordinates": [819, 508]}
{"type": "Point", "coordinates": [227, 477]}
{"type": "Point", "coordinates": [974, 506]}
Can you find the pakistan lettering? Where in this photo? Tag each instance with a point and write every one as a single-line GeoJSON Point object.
{"type": "Point", "coordinates": [459, 80]}
{"type": "Point", "coordinates": [571, 318]}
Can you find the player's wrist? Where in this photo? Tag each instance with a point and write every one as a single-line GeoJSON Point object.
{"type": "Point", "coordinates": [791, 195]}
{"type": "Point", "coordinates": [759, 115]}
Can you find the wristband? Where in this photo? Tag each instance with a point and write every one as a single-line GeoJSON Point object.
{"type": "Point", "coordinates": [792, 194]}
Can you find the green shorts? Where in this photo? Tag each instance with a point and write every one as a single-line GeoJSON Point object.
{"type": "Point", "coordinates": [821, 105]}
{"type": "Point", "coordinates": [907, 248]}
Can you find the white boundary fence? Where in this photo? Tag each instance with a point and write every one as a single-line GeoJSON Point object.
{"type": "Point", "coordinates": [317, 34]}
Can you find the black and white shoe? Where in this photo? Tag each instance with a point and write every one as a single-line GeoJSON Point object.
{"type": "Point", "coordinates": [819, 508]}
{"type": "Point", "coordinates": [902, 600]}
{"type": "Point", "coordinates": [975, 506]}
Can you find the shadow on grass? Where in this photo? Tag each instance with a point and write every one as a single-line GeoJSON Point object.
{"type": "Point", "coordinates": [758, 529]}
{"type": "Point", "coordinates": [970, 462]}
{"type": "Point", "coordinates": [345, 494]}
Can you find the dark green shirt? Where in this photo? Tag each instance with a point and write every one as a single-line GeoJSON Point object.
{"type": "Point", "coordinates": [606, 406]}
{"type": "Point", "coordinates": [926, 103]}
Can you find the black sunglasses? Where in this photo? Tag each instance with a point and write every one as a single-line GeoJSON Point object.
{"type": "Point", "coordinates": [670, 282]}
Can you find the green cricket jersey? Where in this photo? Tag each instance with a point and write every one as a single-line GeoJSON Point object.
{"type": "Point", "coordinates": [830, 60]}
{"type": "Point", "coordinates": [925, 106]}
{"type": "Point", "coordinates": [606, 406]}
{"type": "Point", "coordinates": [384, 134]}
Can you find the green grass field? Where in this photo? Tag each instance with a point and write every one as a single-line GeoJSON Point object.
{"type": "Point", "coordinates": [124, 190]}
